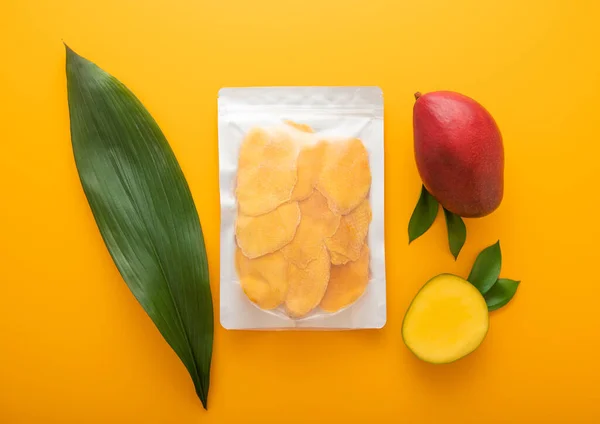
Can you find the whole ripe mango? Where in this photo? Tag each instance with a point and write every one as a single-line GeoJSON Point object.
{"type": "Point", "coordinates": [459, 152]}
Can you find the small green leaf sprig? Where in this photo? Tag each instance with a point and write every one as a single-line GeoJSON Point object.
{"type": "Point", "coordinates": [424, 215]}
{"type": "Point", "coordinates": [485, 274]}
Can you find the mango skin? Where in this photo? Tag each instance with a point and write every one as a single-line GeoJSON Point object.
{"type": "Point", "coordinates": [459, 153]}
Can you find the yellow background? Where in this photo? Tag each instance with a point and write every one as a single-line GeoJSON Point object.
{"type": "Point", "coordinates": [75, 347]}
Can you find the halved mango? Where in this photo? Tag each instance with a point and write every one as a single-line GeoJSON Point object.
{"type": "Point", "coordinates": [447, 320]}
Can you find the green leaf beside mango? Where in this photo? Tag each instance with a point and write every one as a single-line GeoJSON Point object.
{"type": "Point", "coordinates": [501, 293]}
{"type": "Point", "coordinates": [423, 215]}
{"type": "Point", "coordinates": [486, 269]}
{"type": "Point", "coordinates": [144, 210]}
{"type": "Point", "coordinates": [457, 232]}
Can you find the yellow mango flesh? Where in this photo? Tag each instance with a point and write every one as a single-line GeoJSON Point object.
{"type": "Point", "coordinates": [447, 320]}
{"type": "Point", "coordinates": [267, 171]}
{"type": "Point", "coordinates": [260, 235]}
{"type": "Point", "coordinates": [264, 279]}
{"type": "Point", "coordinates": [347, 283]}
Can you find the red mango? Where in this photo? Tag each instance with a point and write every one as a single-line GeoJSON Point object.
{"type": "Point", "coordinates": [459, 152]}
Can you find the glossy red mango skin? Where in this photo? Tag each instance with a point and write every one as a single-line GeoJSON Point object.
{"type": "Point", "coordinates": [459, 153]}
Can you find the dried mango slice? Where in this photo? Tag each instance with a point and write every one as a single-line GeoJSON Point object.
{"type": "Point", "coordinates": [316, 223]}
{"type": "Point", "coordinates": [264, 279]}
{"type": "Point", "coordinates": [307, 286]}
{"type": "Point", "coordinates": [260, 235]}
{"type": "Point", "coordinates": [300, 127]}
{"type": "Point", "coordinates": [348, 240]}
{"type": "Point", "coordinates": [316, 207]}
{"type": "Point", "coordinates": [338, 258]}
{"type": "Point", "coordinates": [267, 171]}
{"type": "Point", "coordinates": [347, 283]}
{"type": "Point", "coordinates": [309, 163]}
{"type": "Point", "coordinates": [345, 176]}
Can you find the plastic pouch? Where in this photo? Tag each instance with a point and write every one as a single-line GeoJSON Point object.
{"type": "Point", "coordinates": [302, 208]}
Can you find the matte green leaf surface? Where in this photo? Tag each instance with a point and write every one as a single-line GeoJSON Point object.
{"type": "Point", "coordinates": [423, 216]}
{"type": "Point", "coordinates": [144, 210]}
{"type": "Point", "coordinates": [457, 232]}
{"type": "Point", "coordinates": [501, 293]}
{"type": "Point", "coordinates": [486, 268]}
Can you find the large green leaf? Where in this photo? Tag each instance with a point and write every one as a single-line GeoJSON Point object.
{"type": "Point", "coordinates": [144, 210]}
{"type": "Point", "coordinates": [423, 215]}
{"type": "Point", "coordinates": [486, 268]}
{"type": "Point", "coordinates": [457, 232]}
